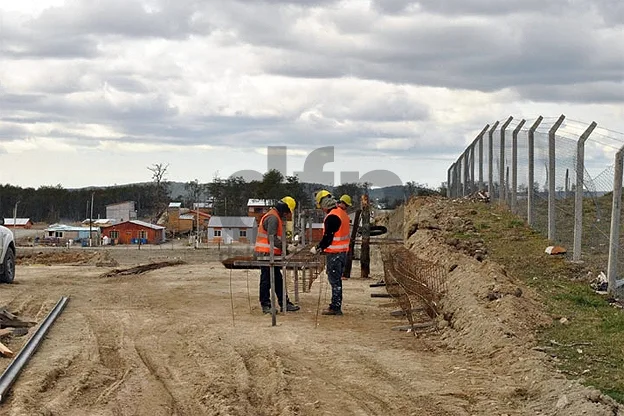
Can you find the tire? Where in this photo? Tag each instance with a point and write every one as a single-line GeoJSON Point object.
{"type": "Point", "coordinates": [9, 267]}
{"type": "Point", "coordinates": [375, 230]}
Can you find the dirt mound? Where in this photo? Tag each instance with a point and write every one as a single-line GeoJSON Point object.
{"type": "Point", "coordinates": [487, 313]}
{"type": "Point", "coordinates": [70, 257]}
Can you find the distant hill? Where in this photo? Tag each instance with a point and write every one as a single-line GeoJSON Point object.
{"type": "Point", "coordinates": [390, 194]}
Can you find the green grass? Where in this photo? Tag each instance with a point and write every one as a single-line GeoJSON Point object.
{"type": "Point", "coordinates": [590, 345]}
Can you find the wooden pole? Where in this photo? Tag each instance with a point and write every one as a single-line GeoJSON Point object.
{"type": "Point", "coordinates": [365, 251]}
{"type": "Point", "coordinates": [272, 277]}
{"type": "Point", "coordinates": [284, 290]}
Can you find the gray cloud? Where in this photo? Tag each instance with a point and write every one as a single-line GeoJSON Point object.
{"type": "Point", "coordinates": [465, 54]}
{"type": "Point", "coordinates": [609, 92]}
{"type": "Point", "coordinates": [490, 7]}
{"type": "Point", "coordinates": [469, 44]}
{"type": "Point", "coordinates": [129, 18]}
{"type": "Point", "coordinates": [10, 132]}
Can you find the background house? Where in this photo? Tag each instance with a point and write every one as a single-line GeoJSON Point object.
{"type": "Point", "coordinates": [18, 223]}
{"type": "Point", "coordinates": [61, 234]}
{"type": "Point", "coordinates": [134, 232]}
{"type": "Point", "coordinates": [201, 217]}
{"type": "Point", "coordinates": [256, 208]}
{"type": "Point", "coordinates": [205, 207]}
{"type": "Point", "coordinates": [177, 221]}
{"type": "Point", "coordinates": [228, 230]}
{"type": "Point", "coordinates": [100, 222]}
{"type": "Point", "coordinates": [122, 211]}
{"type": "Point", "coordinates": [317, 232]}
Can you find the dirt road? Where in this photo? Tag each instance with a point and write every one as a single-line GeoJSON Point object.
{"type": "Point", "coordinates": [191, 340]}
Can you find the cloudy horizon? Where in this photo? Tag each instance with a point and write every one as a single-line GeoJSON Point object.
{"type": "Point", "coordinates": [93, 93]}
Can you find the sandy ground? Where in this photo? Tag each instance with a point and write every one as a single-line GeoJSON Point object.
{"type": "Point", "coordinates": [191, 340]}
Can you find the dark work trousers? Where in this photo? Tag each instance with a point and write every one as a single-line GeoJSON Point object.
{"type": "Point", "coordinates": [265, 286]}
{"type": "Point", "coordinates": [335, 266]}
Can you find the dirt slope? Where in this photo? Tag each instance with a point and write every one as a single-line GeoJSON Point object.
{"type": "Point", "coordinates": [191, 340]}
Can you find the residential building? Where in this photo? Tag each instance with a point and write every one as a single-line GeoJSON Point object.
{"type": "Point", "coordinates": [258, 207]}
{"type": "Point", "coordinates": [18, 223]}
{"type": "Point", "coordinates": [122, 211]}
{"type": "Point", "coordinates": [228, 230]}
{"type": "Point", "coordinates": [61, 234]}
{"type": "Point", "coordinates": [205, 207]}
{"type": "Point", "coordinates": [134, 232]}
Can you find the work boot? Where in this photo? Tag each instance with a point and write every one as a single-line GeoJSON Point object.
{"type": "Point", "coordinates": [290, 307]}
{"type": "Point", "coordinates": [266, 308]}
{"type": "Point", "coordinates": [330, 311]}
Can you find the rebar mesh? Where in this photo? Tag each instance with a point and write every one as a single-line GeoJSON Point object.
{"type": "Point", "coordinates": [415, 283]}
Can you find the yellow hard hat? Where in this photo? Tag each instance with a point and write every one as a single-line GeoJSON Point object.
{"type": "Point", "coordinates": [320, 195]}
{"type": "Point", "coordinates": [346, 199]}
{"type": "Point", "coordinates": [290, 201]}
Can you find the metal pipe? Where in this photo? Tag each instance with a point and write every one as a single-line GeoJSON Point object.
{"type": "Point", "coordinates": [10, 374]}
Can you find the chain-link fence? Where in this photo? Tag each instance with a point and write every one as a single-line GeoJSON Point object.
{"type": "Point", "coordinates": [551, 172]}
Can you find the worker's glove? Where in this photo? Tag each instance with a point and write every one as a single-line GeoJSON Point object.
{"type": "Point", "coordinates": [291, 248]}
{"type": "Point", "coordinates": [315, 250]}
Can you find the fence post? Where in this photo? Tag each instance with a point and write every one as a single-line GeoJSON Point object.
{"type": "Point", "coordinates": [531, 179]}
{"type": "Point", "coordinates": [458, 182]}
{"type": "Point", "coordinates": [502, 185]}
{"type": "Point", "coordinates": [615, 222]}
{"type": "Point", "coordinates": [514, 165]}
{"type": "Point", "coordinates": [449, 183]}
{"type": "Point", "coordinates": [465, 188]}
{"type": "Point", "coordinates": [491, 161]}
{"type": "Point", "coordinates": [551, 178]}
{"type": "Point", "coordinates": [480, 139]}
{"type": "Point", "coordinates": [472, 166]}
{"type": "Point", "coordinates": [579, 191]}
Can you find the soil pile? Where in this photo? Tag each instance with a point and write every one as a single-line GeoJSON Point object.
{"type": "Point", "coordinates": [488, 313]}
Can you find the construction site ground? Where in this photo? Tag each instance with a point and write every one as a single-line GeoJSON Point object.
{"type": "Point", "coordinates": [189, 338]}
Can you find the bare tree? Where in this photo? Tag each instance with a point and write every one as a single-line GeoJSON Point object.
{"type": "Point", "coordinates": [158, 172]}
{"type": "Point", "coordinates": [194, 192]}
{"type": "Point", "coordinates": [161, 186]}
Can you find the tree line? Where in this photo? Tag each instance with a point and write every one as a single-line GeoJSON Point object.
{"type": "Point", "coordinates": [229, 196]}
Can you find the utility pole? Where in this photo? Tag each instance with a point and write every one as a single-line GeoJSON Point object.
{"type": "Point", "coordinates": [15, 220]}
{"type": "Point", "coordinates": [197, 225]}
{"type": "Point", "coordinates": [91, 221]}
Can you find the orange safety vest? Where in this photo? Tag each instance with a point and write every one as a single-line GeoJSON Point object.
{"type": "Point", "coordinates": [340, 243]}
{"type": "Point", "coordinates": [262, 239]}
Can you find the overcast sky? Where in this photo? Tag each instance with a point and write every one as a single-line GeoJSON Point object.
{"type": "Point", "coordinates": [92, 92]}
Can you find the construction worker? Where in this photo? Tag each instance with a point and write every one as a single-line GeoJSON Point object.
{"type": "Point", "coordinates": [345, 202]}
{"type": "Point", "coordinates": [335, 244]}
{"type": "Point", "coordinates": [272, 224]}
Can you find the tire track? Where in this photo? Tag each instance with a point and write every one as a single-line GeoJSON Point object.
{"type": "Point", "coordinates": [164, 378]}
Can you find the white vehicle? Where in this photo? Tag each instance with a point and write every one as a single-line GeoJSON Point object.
{"type": "Point", "coordinates": [7, 254]}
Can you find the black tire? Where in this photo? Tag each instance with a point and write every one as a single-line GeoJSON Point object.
{"type": "Point", "coordinates": [9, 267]}
{"type": "Point", "coordinates": [375, 230]}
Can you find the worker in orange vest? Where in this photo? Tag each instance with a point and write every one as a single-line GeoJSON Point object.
{"type": "Point", "coordinates": [335, 244]}
{"type": "Point", "coordinates": [271, 223]}
{"type": "Point", "coordinates": [344, 202]}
